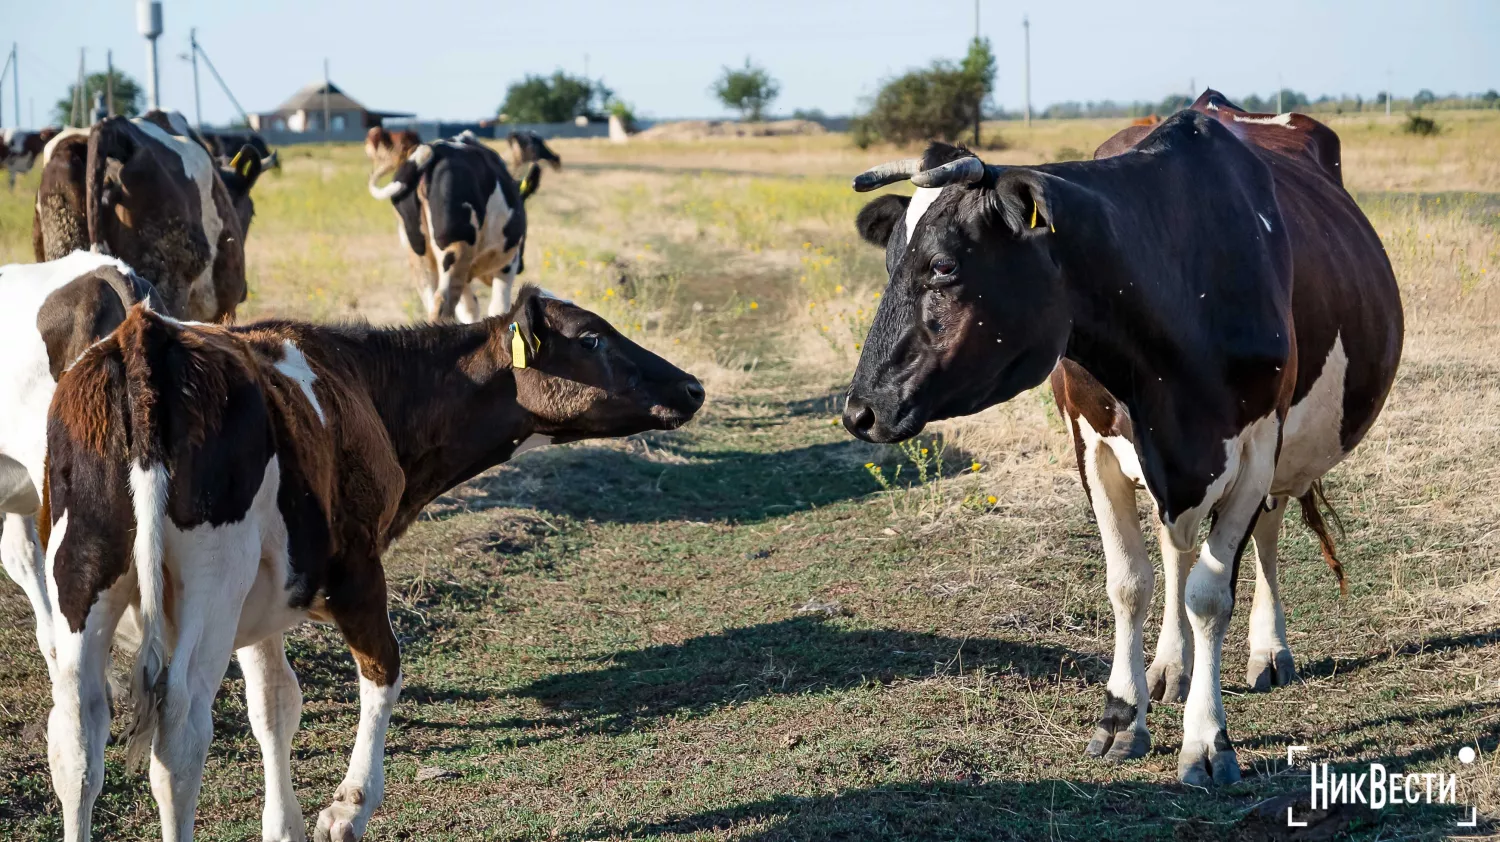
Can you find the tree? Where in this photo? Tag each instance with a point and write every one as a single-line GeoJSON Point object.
{"type": "Point", "coordinates": [936, 102]}
{"type": "Point", "coordinates": [1491, 98]}
{"type": "Point", "coordinates": [1423, 98]}
{"type": "Point", "coordinates": [748, 90]}
{"type": "Point", "coordinates": [129, 98]}
{"type": "Point", "coordinates": [978, 68]}
{"type": "Point", "coordinates": [555, 99]}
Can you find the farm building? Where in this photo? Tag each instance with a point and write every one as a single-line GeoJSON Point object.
{"type": "Point", "coordinates": [303, 112]}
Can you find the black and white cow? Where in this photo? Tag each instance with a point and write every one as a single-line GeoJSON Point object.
{"type": "Point", "coordinates": [1163, 280]}
{"type": "Point", "coordinates": [49, 314]}
{"type": "Point", "coordinates": [19, 150]}
{"type": "Point", "coordinates": [463, 218]}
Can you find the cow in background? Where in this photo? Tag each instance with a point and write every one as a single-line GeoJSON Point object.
{"type": "Point", "coordinates": [19, 150]}
{"type": "Point", "coordinates": [462, 218]}
{"type": "Point", "coordinates": [142, 191]}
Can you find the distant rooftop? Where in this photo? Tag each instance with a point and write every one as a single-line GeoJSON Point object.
{"type": "Point", "coordinates": [311, 98]}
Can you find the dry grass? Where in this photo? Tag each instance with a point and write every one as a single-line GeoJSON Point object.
{"type": "Point", "coordinates": [605, 641]}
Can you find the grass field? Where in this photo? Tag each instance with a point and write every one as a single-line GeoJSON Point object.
{"type": "Point", "coordinates": [732, 632]}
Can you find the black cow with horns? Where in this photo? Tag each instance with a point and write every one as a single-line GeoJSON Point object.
{"type": "Point", "coordinates": [1221, 326]}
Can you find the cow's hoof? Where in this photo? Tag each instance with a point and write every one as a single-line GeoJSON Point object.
{"type": "Point", "coordinates": [1117, 746]}
{"type": "Point", "coordinates": [1118, 737]}
{"type": "Point", "coordinates": [1168, 681]}
{"type": "Point", "coordinates": [1270, 669]}
{"type": "Point", "coordinates": [1206, 765]}
{"type": "Point", "coordinates": [339, 821]}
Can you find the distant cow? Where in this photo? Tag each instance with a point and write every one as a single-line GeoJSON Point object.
{"type": "Point", "coordinates": [225, 145]}
{"type": "Point", "coordinates": [462, 217]}
{"type": "Point", "coordinates": [50, 313]}
{"type": "Point", "coordinates": [135, 189]}
{"type": "Point", "coordinates": [238, 481]}
{"type": "Point", "coordinates": [21, 149]}
{"type": "Point", "coordinates": [1148, 120]}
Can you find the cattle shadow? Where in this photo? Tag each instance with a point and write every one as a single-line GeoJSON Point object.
{"type": "Point", "coordinates": [1334, 665]}
{"type": "Point", "coordinates": [801, 655]}
{"type": "Point", "coordinates": [734, 486]}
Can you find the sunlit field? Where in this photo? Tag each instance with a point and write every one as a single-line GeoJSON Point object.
{"type": "Point", "coordinates": [758, 628]}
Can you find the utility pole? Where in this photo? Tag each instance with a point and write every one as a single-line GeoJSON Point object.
{"type": "Point", "coordinates": [197, 98]}
{"type": "Point", "coordinates": [109, 81]}
{"type": "Point", "coordinates": [15, 81]}
{"type": "Point", "coordinates": [1388, 94]}
{"type": "Point", "coordinates": [978, 104]}
{"type": "Point", "coordinates": [148, 24]}
{"type": "Point", "coordinates": [1026, 28]}
{"type": "Point", "coordinates": [80, 96]}
{"type": "Point", "coordinates": [2, 94]}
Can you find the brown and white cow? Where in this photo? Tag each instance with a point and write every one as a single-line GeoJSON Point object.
{"type": "Point", "coordinates": [50, 313]}
{"type": "Point", "coordinates": [1227, 327]}
{"type": "Point", "coordinates": [156, 199]}
{"type": "Point", "coordinates": [462, 218]}
{"type": "Point", "coordinates": [19, 150]}
{"type": "Point", "coordinates": [236, 481]}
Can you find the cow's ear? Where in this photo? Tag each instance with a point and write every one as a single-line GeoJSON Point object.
{"type": "Point", "coordinates": [878, 219]}
{"type": "Point", "coordinates": [247, 165]}
{"type": "Point", "coordinates": [527, 324]}
{"type": "Point", "coordinates": [1021, 201]}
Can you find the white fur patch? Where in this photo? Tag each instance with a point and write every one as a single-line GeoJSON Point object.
{"type": "Point", "coordinates": [1278, 120]}
{"type": "Point", "coordinates": [1264, 221]}
{"type": "Point", "coordinates": [920, 202]}
{"type": "Point", "coordinates": [294, 367]}
{"type": "Point", "coordinates": [532, 442]}
{"type": "Point", "coordinates": [1311, 441]}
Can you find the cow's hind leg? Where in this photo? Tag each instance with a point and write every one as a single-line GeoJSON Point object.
{"type": "Point", "coordinates": [22, 555]}
{"type": "Point", "coordinates": [1121, 734]}
{"type": "Point", "coordinates": [1271, 662]}
{"type": "Point", "coordinates": [455, 263]}
{"type": "Point", "coordinates": [219, 565]}
{"type": "Point", "coordinates": [1171, 669]}
{"type": "Point", "coordinates": [358, 606]}
{"type": "Point", "coordinates": [275, 705]}
{"type": "Point", "coordinates": [78, 726]}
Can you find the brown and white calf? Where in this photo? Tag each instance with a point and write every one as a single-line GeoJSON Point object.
{"type": "Point", "coordinates": [1227, 327]}
{"type": "Point", "coordinates": [462, 218]}
{"type": "Point", "coordinates": [157, 200]}
{"type": "Point", "coordinates": [49, 314]}
{"type": "Point", "coordinates": [237, 481]}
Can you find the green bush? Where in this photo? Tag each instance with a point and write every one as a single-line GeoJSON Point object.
{"type": "Point", "coordinates": [555, 99]}
{"type": "Point", "coordinates": [939, 102]}
{"type": "Point", "coordinates": [1418, 125]}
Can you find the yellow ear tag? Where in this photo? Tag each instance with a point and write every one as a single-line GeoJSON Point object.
{"type": "Point", "coordinates": [1033, 214]}
{"type": "Point", "coordinates": [517, 348]}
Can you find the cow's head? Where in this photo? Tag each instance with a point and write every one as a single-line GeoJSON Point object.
{"type": "Point", "coordinates": [975, 311]}
{"type": "Point", "coordinates": [238, 178]}
{"type": "Point", "coordinates": [386, 150]}
{"type": "Point", "coordinates": [581, 378]}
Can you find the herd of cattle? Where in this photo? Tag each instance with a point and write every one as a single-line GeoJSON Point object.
{"type": "Point", "coordinates": [1218, 319]}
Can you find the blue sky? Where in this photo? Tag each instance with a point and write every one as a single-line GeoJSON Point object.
{"type": "Point", "coordinates": [452, 59]}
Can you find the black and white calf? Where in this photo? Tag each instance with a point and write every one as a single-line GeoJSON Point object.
{"type": "Point", "coordinates": [49, 314]}
{"type": "Point", "coordinates": [1227, 326]}
{"type": "Point", "coordinates": [463, 218]}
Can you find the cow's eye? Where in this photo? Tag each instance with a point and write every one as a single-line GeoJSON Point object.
{"type": "Point", "coordinates": [943, 265]}
{"type": "Point", "coordinates": [589, 341]}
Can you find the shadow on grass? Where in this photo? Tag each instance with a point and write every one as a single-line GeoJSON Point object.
{"type": "Point", "coordinates": [736, 486]}
{"type": "Point", "coordinates": [788, 657]}
{"type": "Point", "coordinates": [1330, 667]}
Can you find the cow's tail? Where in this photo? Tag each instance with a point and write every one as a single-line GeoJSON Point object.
{"type": "Point", "coordinates": [139, 335]}
{"type": "Point", "coordinates": [531, 181]}
{"type": "Point", "coordinates": [1314, 503]}
{"type": "Point", "coordinates": [110, 140]}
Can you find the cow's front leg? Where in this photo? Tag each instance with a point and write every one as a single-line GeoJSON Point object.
{"type": "Point", "coordinates": [359, 608]}
{"type": "Point", "coordinates": [1207, 755]}
{"type": "Point", "coordinates": [1121, 734]}
{"type": "Point", "coordinates": [504, 286]}
{"type": "Point", "coordinates": [1171, 668]}
{"type": "Point", "coordinates": [1271, 662]}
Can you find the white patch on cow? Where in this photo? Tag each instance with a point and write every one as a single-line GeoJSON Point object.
{"type": "Point", "coordinates": [1278, 120]}
{"type": "Point", "coordinates": [346, 819]}
{"type": "Point", "coordinates": [1264, 221]}
{"type": "Point", "coordinates": [1311, 441]}
{"type": "Point", "coordinates": [1183, 531]}
{"type": "Point", "coordinates": [59, 138]}
{"type": "Point", "coordinates": [294, 367]}
{"type": "Point", "coordinates": [920, 202]}
{"type": "Point", "coordinates": [1212, 107]}
{"type": "Point", "coordinates": [199, 168]}
{"type": "Point", "coordinates": [532, 442]}
{"type": "Point", "coordinates": [420, 156]}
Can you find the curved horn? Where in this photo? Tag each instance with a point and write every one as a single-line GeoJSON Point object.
{"type": "Point", "coordinates": [887, 173]}
{"type": "Point", "coordinates": [271, 161]}
{"type": "Point", "coordinates": [966, 170]}
{"type": "Point", "coordinates": [387, 192]}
